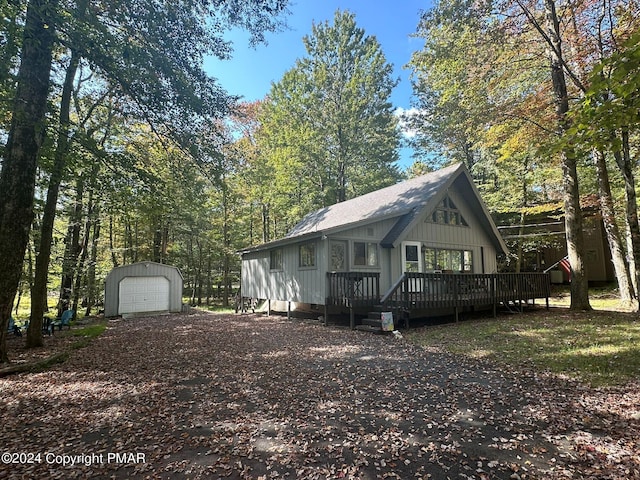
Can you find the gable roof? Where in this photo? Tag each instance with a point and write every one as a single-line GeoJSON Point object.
{"type": "Point", "coordinates": [392, 201]}
{"type": "Point", "coordinates": [404, 201]}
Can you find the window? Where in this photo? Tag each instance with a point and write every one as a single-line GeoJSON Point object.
{"type": "Point", "coordinates": [430, 262]}
{"type": "Point", "coordinates": [446, 213]}
{"type": "Point", "coordinates": [467, 265]}
{"type": "Point", "coordinates": [365, 254]}
{"type": "Point", "coordinates": [411, 257]}
{"type": "Point", "coordinates": [275, 259]}
{"type": "Point", "coordinates": [307, 255]}
{"type": "Point", "coordinates": [338, 256]}
{"type": "Point", "coordinates": [455, 260]}
{"type": "Point", "coordinates": [444, 259]}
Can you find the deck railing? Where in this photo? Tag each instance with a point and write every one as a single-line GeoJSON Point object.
{"type": "Point", "coordinates": [353, 289]}
{"type": "Point", "coordinates": [424, 290]}
{"type": "Point", "coordinates": [454, 290]}
{"type": "Point", "coordinates": [435, 290]}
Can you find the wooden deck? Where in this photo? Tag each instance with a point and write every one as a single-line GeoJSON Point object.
{"type": "Point", "coordinates": [436, 291]}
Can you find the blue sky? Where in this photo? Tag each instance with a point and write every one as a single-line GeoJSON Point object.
{"type": "Point", "coordinates": [251, 71]}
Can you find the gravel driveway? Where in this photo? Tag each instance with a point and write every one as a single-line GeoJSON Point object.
{"type": "Point", "coordinates": [248, 396]}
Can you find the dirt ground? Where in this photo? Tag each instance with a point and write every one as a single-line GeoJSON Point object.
{"type": "Point", "coordinates": [254, 397]}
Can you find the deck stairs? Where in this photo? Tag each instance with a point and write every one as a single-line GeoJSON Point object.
{"type": "Point", "coordinates": [373, 321]}
{"type": "Point", "coordinates": [371, 324]}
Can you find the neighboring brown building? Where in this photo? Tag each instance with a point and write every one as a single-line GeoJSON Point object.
{"type": "Point", "coordinates": [544, 243]}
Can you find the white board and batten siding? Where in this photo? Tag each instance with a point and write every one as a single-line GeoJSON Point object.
{"type": "Point", "coordinates": [374, 233]}
{"type": "Point", "coordinates": [290, 283]}
{"type": "Point", "coordinates": [143, 287]}
{"type": "Point", "coordinates": [455, 237]}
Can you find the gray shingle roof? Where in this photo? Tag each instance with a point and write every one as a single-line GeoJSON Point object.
{"type": "Point", "coordinates": [403, 201]}
{"type": "Point", "coordinates": [393, 201]}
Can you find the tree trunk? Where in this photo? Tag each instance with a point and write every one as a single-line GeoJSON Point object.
{"type": "Point", "coordinates": [84, 246]}
{"type": "Point", "coordinates": [265, 223]}
{"type": "Point", "coordinates": [18, 175]}
{"type": "Point", "coordinates": [112, 249]}
{"type": "Point", "coordinates": [522, 218]}
{"type": "Point", "coordinates": [198, 285]}
{"type": "Point", "coordinates": [91, 270]}
{"type": "Point", "coordinates": [191, 261]}
{"type": "Point", "coordinates": [573, 212]}
{"type": "Point", "coordinates": [226, 244]}
{"type": "Point", "coordinates": [623, 159]}
{"type": "Point", "coordinates": [71, 250]}
{"type": "Point", "coordinates": [209, 279]}
{"type": "Point", "coordinates": [39, 292]}
{"type": "Point", "coordinates": [620, 264]}
{"type": "Point", "coordinates": [629, 249]}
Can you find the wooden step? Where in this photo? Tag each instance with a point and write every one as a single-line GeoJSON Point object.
{"type": "Point", "coordinates": [372, 322]}
{"type": "Point", "coordinates": [369, 328]}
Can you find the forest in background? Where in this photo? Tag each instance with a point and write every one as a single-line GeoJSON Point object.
{"type": "Point", "coordinates": [146, 158]}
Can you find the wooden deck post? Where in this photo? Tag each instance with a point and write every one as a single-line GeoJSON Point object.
{"type": "Point", "coordinates": [456, 298]}
{"type": "Point", "coordinates": [494, 296]}
{"type": "Point", "coordinates": [520, 292]}
{"type": "Point", "coordinates": [268, 307]}
{"type": "Point", "coordinates": [352, 318]}
{"type": "Point", "coordinates": [326, 315]}
{"type": "Point", "coordinates": [288, 310]}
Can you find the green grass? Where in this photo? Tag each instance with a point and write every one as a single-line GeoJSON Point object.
{"type": "Point", "coordinates": [24, 309]}
{"type": "Point", "coordinates": [600, 348]}
{"type": "Point", "coordinates": [601, 298]}
{"type": "Point", "coordinates": [215, 305]}
{"type": "Point", "coordinates": [217, 308]}
{"type": "Point", "coordinates": [90, 331]}
{"type": "Point", "coordinates": [87, 333]}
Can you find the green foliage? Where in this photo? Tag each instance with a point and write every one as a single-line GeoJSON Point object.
{"type": "Point", "coordinates": [418, 168]}
{"type": "Point", "coordinates": [477, 106]}
{"type": "Point", "coordinates": [612, 101]}
{"type": "Point", "coordinates": [328, 128]}
{"type": "Point", "coordinates": [152, 53]}
{"type": "Point", "coordinates": [448, 80]}
{"type": "Point", "coordinates": [484, 96]}
{"type": "Point", "coordinates": [600, 348]}
{"type": "Point", "coordinates": [10, 44]}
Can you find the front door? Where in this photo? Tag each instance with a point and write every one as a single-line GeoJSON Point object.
{"type": "Point", "coordinates": [412, 263]}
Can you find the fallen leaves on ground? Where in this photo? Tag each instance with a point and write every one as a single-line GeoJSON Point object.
{"type": "Point", "coordinates": [254, 397]}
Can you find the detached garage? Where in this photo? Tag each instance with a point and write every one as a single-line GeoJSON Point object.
{"type": "Point", "coordinates": [143, 287]}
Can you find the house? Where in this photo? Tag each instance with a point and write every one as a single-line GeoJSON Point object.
{"type": "Point", "coordinates": [145, 287]}
{"type": "Point", "coordinates": [358, 253]}
{"type": "Point", "coordinates": [540, 238]}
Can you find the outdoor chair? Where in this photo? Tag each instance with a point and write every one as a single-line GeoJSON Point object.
{"type": "Point", "coordinates": [47, 326]}
{"type": "Point", "coordinates": [15, 329]}
{"type": "Point", "coordinates": [65, 320]}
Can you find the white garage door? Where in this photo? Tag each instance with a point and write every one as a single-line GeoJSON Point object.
{"type": "Point", "coordinates": [143, 294]}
